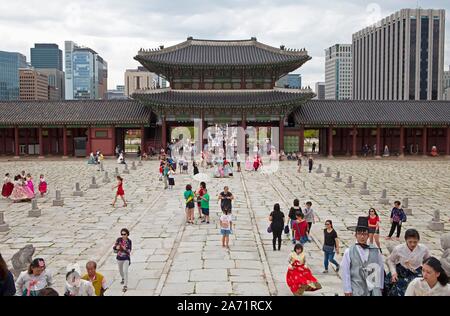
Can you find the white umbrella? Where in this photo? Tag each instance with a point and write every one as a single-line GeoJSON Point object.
{"type": "Point", "coordinates": [201, 177]}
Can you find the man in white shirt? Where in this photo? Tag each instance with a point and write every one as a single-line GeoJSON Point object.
{"type": "Point", "coordinates": [362, 268]}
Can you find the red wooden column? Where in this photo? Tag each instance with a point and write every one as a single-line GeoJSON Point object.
{"type": "Point", "coordinates": [244, 127]}
{"type": "Point", "coordinates": [301, 139]}
{"type": "Point", "coordinates": [3, 131]}
{"type": "Point", "coordinates": [41, 143]}
{"type": "Point", "coordinates": [281, 133]}
{"type": "Point", "coordinates": [16, 142]}
{"type": "Point", "coordinates": [354, 142]}
{"type": "Point", "coordinates": [142, 139]}
{"type": "Point", "coordinates": [113, 136]}
{"type": "Point", "coordinates": [447, 149]}
{"type": "Point", "coordinates": [378, 153]}
{"type": "Point", "coordinates": [89, 142]}
{"type": "Point", "coordinates": [163, 132]}
{"type": "Point", "coordinates": [202, 131]}
{"type": "Point", "coordinates": [65, 155]}
{"type": "Point", "coordinates": [330, 141]}
{"type": "Point", "coordinates": [27, 140]}
{"type": "Point", "coordinates": [424, 141]}
{"type": "Point", "coordinates": [402, 142]}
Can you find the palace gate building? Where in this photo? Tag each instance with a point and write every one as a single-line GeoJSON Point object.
{"type": "Point", "coordinates": [229, 83]}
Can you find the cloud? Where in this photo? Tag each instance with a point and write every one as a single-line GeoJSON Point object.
{"type": "Point", "coordinates": [118, 29]}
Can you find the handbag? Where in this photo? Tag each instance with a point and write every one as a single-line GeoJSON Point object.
{"type": "Point", "coordinates": [286, 229]}
{"type": "Point", "coordinates": [269, 229]}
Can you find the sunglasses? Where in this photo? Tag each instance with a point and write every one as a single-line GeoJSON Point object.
{"type": "Point", "coordinates": [124, 234]}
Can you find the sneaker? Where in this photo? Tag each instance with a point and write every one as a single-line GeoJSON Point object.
{"type": "Point", "coordinates": [122, 282]}
{"type": "Point", "coordinates": [124, 289]}
{"type": "Point", "coordinates": [207, 222]}
{"type": "Point", "coordinates": [337, 269]}
{"type": "Point", "coordinates": [325, 271]}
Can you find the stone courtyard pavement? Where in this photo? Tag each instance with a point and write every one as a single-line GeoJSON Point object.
{"type": "Point", "coordinates": [170, 258]}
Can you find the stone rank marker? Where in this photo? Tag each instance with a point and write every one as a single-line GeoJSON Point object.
{"type": "Point", "coordinates": [126, 169]}
{"type": "Point", "coordinates": [35, 210]}
{"type": "Point", "coordinates": [3, 226]}
{"type": "Point", "coordinates": [133, 165]}
{"type": "Point", "coordinates": [319, 170]}
{"type": "Point", "coordinates": [364, 190]}
{"type": "Point", "coordinates": [436, 224]}
{"type": "Point", "coordinates": [93, 184]}
{"type": "Point", "coordinates": [116, 171]}
{"type": "Point", "coordinates": [106, 178]}
{"type": "Point", "coordinates": [405, 206]}
{"type": "Point", "coordinates": [350, 184]}
{"type": "Point", "coordinates": [338, 177]}
{"type": "Point", "coordinates": [58, 201]}
{"type": "Point", "coordinates": [383, 199]}
{"type": "Point", "coordinates": [77, 191]}
{"type": "Point", "coordinates": [328, 173]}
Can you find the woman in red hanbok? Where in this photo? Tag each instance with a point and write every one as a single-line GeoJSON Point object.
{"type": "Point", "coordinates": [256, 163]}
{"type": "Point", "coordinates": [299, 278]}
{"type": "Point", "coordinates": [8, 186]}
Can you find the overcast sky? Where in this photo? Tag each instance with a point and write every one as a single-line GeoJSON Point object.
{"type": "Point", "coordinates": [117, 29]}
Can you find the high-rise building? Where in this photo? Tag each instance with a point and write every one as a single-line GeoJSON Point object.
{"type": "Point", "coordinates": [401, 57]}
{"type": "Point", "coordinates": [46, 56]}
{"type": "Point", "coordinates": [292, 81]}
{"type": "Point", "coordinates": [86, 73]}
{"type": "Point", "coordinates": [33, 85]}
{"type": "Point", "coordinates": [338, 72]}
{"type": "Point", "coordinates": [320, 91]}
{"type": "Point", "coordinates": [117, 94]}
{"type": "Point", "coordinates": [10, 63]}
{"type": "Point", "coordinates": [138, 80]}
{"type": "Point", "coordinates": [55, 83]}
{"type": "Point", "coordinates": [446, 85]}
{"type": "Point", "coordinates": [47, 59]}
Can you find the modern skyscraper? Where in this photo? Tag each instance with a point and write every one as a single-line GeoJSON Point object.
{"type": "Point", "coordinates": [46, 56]}
{"type": "Point", "coordinates": [338, 72]}
{"type": "Point", "coordinates": [33, 85]}
{"type": "Point", "coordinates": [86, 73]}
{"type": "Point", "coordinates": [446, 85]}
{"type": "Point", "coordinates": [139, 79]}
{"type": "Point", "coordinates": [10, 63]}
{"type": "Point", "coordinates": [292, 81]}
{"type": "Point", "coordinates": [320, 91]}
{"type": "Point", "coordinates": [401, 57]}
{"type": "Point", "coordinates": [117, 94]}
{"type": "Point", "coordinates": [47, 59]}
{"type": "Point", "coordinates": [55, 82]}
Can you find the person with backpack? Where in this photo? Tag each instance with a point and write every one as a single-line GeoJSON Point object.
{"type": "Point", "coordinates": [226, 222]}
{"type": "Point", "coordinates": [300, 229]}
{"type": "Point", "coordinates": [398, 216]}
{"type": "Point", "coordinates": [293, 216]}
{"type": "Point", "coordinates": [276, 219]}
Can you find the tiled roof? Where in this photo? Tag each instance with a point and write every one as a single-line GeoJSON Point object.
{"type": "Point", "coordinates": [222, 53]}
{"type": "Point", "coordinates": [211, 98]}
{"type": "Point", "coordinates": [98, 112]}
{"type": "Point", "coordinates": [355, 112]}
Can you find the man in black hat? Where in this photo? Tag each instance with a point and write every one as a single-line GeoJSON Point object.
{"type": "Point", "coordinates": [362, 266]}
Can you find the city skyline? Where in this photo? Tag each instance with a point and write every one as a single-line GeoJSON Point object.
{"type": "Point", "coordinates": [313, 25]}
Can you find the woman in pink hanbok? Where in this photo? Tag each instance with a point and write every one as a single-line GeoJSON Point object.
{"type": "Point", "coordinates": [30, 183]}
{"type": "Point", "coordinates": [248, 164]}
{"type": "Point", "coordinates": [21, 192]}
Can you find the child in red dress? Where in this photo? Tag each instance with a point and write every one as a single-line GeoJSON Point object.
{"type": "Point", "coordinates": [42, 185]}
{"type": "Point", "coordinates": [119, 192]}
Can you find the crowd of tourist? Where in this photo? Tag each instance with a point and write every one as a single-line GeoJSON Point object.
{"type": "Point", "coordinates": [21, 188]}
